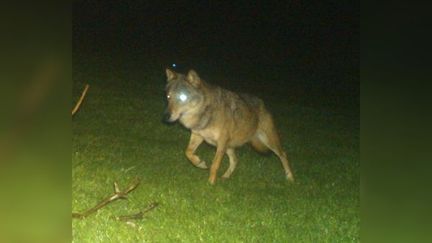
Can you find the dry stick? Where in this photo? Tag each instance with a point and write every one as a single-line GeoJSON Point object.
{"type": "Point", "coordinates": [138, 215]}
{"type": "Point", "coordinates": [117, 195]}
{"type": "Point", "coordinates": [78, 104]}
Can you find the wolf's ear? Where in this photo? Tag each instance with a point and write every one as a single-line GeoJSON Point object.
{"type": "Point", "coordinates": [170, 74]}
{"type": "Point", "coordinates": [193, 78]}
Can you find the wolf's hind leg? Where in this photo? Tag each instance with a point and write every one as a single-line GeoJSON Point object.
{"type": "Point", "coordinates": [232, 163]}
{"type": "Point", "coordinates": [194, 142]}
{"type": "Point", "coordinates": [268, 135]}
{"type": "Point", "coordinates": [272, 142]}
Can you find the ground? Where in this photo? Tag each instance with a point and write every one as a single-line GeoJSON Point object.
{"type": "Point", "coordinates": [118, 135]}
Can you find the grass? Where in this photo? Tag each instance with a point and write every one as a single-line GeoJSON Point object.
{"type": "Point", "coordinates": [118, 135]}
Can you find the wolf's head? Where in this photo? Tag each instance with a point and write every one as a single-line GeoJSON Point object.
{"type": "Point", "coordinates": [184, 95]}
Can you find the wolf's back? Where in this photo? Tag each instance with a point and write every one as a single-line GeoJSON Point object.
{"type": "Point", "coordinates": [251, 100]}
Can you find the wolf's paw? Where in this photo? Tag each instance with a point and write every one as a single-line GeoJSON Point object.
{"type": "Point", "coordinates": [212, 180]}
{"type": "Point", "coordinates": [202, 165]}
{"type": "Point", "coordinates": [290, 177]}
{"type": "Point", "coordinates": [226, 175]}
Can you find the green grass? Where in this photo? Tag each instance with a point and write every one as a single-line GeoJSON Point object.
{"type": "Point", "coordinates": [118, 135]}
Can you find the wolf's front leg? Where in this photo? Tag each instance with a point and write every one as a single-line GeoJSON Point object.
{"type": "Point", "coordinates": [220, 151]}
{"type": "Point", "coordinates": [194, 142]}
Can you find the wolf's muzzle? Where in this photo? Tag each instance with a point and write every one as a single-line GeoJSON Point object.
{"type": "Point", "coordinates": [166, 118]}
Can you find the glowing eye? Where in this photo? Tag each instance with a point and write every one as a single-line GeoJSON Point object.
{"type": "Point", "coordinates": [168, 96]}
{"type": "Point", "coordinates": [174, 65]}
{"type": "Point", "coordinates": [183, 97]}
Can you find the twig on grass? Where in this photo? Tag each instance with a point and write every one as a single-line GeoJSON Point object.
{"type": "Point", "coordinates": [78, 104]}
{"type": "Point", "coordinates": [137, 216]}
{"type": "Point", "coordinates": [118, 194]}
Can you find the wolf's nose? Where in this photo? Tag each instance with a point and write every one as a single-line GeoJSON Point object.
{"type": "Point", "coordinates": [166, 117]}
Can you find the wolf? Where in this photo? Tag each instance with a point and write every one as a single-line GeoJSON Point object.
{"type": "Point", "coordinates": [222, 118]}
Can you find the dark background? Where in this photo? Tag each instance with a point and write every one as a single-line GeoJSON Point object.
{"type": "Point", "coordinates": [290, 48]}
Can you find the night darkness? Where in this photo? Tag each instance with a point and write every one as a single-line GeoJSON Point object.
{"type": "Point", "coordinates": [287, 46]}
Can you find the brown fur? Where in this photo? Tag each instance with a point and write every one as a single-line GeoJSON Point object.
{"type": "Point", "coordinates": [223, 119]}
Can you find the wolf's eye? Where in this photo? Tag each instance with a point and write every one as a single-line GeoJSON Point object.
{"type": "Point", "coordinates": [183, 97]}
{"type": "Point", "coordinates": [168, 96]}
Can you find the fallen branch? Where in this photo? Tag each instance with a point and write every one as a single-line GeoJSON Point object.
{"type": "Point", "coordinates": [118, 194]}
{"type": "Point", "coordinates": [78, 104]}
{"type": "Point", "coordinates": [137, 216]}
